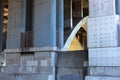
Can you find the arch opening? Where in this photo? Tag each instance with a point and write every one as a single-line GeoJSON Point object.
{"type": "Point", "coordinates": [73, 41]}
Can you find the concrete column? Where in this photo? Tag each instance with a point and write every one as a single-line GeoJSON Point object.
{"type": "Point", "coordinates": [118, 13]}
{"type": "Point", "coordinates": [78, 8]}
{"type": "Point", "coordinates": [68, 13]}
{"type": "Point", "coordinates": [60, 23]}
{"type": "Point", "coordinates": [118, 7]}
{"type": "Point", "coordinates": [44, 23]}
{"type": "Point", "coordinates": [78, 11]}
{"type": "Point", "coordinates": [16, 23]}
{"type": "Point", "coordinates": [1, 22]}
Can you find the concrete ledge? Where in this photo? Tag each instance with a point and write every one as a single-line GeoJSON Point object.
{"type": "Point", "coordinates": [6, 76]}
{"type": "Point", "coordinates": [36, 49]}
{"type": "Point", "coordinates": [104, 71]}
{"type": "Point", "coordinates": [101, 78]}
{"type": "Point", "coordinates": [28, 69]}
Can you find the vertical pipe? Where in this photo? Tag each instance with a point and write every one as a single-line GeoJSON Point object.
{"type": "Point", "coordinates": [60, 23]}
{"type": "Point", "coordinates": [1, 22]}
{"type": "Point", "coordinates": [71, 18]}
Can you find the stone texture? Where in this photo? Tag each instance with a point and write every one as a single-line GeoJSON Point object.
{"type": "Point", "coordinates": [45, 70]}
{"type": "Point", "coordinates": [101, 78]}
{"type": "Point", "coordinates": [104, 57]}
{"type": "Point", "coordinates": [103, 31]}
{"type": "Point", "coordinates": [63, 73]}
{"type": "Point", "coordinates": [104, 71]}
{"type": "Point", "coordinates": [6, 76]}
{"type": "Point", "coordinates": [12, 59]}
{"type": "Point", "coordinates": [25, 58]}
{"type": "Point", "coordinates": [71, 59]}
{"type": "Point", "coordinates": [98, 8]}
{"type": "Point", "coordinates": [44, 58]}
{"type": "Point", "coordinates": [19, 70]}
{"type": "Point", "coordinates": [70, 77]}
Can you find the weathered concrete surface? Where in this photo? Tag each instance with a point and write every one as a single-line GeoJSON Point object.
{"type": "Point", "coordinates": [31, 65]}
{"type": "Point", "coordinates": [42, 59]}
{"type": "Point", "coordinates": [6, 76]}
{"type": "Point", "coordinates": [44, 23]}
{"type": "Point", "coordinates": [16, 23]}
{"type": "Point", "coordinates": [104, 57]}
{"type": "Point", "coordinates": [104, 71]}
{"type": "Point", "coordinates": [99, 8]}
{"type": "Point", "coordinates": [103, 31]}
{"type": "Point", "coordinates": [25, 77]}
{"type": "Point", "coordinates": [101, 78]}
{"type": "Point", "coordinates": [45, 59]}
{"type": "Point", "coordinates": [13, 59]}
{"type": "Point", "coordinates": [70, 65]}
{"type": "Point", "coordinates": [103, 50]}
{"type": "Point", "coordinates": [28, 70]}
{"type": "Point", "coordinates": [70, 74]}
{"type": "Point", "coordinates": [71, 59]}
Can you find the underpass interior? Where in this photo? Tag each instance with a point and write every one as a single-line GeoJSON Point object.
{"type": "Point", "coordinates": [75, 12]}
{"type": "Point", "coordinates": [59, 39]}
{"type": "Point", "coordinates": [71, 64]}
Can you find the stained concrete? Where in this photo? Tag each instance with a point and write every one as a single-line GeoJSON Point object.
{"type": "Point", "coordinates": [44, 23]}
{"type": "Point", "coordinates": [16, 23]}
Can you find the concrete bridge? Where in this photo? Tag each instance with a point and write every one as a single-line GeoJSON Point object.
{"type": "Point", "coordinates": [54, 40]}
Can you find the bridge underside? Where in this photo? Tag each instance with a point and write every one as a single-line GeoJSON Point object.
{"type": "Point", "coordinates": [54, 40]}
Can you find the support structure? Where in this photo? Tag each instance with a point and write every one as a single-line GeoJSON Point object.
{"type": "Point", "coordinates": [60, 23]}
{"type": "Point", "coordinates": [16, 23]}
{"type": "Point", "coordinates": [1, 22]}
{"type": "Point", "coordinates": [103, 45]}
{"type": "Point", "coordinates": [43, 22]}
{"type": "Point", "coordinates": [45, 25]}
{"type": "Point", "coordinates": [68, 14]}
{"type": "Point", "coordinates": [37, 61]}
{"type": "Point", "coordinates": [118, 7]}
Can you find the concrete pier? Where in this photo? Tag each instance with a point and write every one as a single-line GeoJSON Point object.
{"type": "Point", "coordinates": [44, 23]}
{"type": "Point", "coordinates": [16, 23]}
